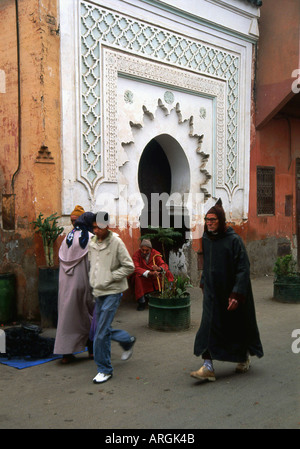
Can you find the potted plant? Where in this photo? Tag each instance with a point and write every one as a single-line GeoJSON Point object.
{"type": "Point", "coordinates": [48, 275]}
{"type": "Point", "coordinates": [49, 229]}
{"type": "Point", "coordinates": [287, 280]}
{"type": "Point", "coordinates": [169, 308]}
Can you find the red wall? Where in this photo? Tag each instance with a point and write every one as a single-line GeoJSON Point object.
{"type": "Point", "coordinates": [278, 56]}
{"type": "Point", "coordinates": [276, 145]}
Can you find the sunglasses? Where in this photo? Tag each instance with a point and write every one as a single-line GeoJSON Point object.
{"type": "Point", "coordinates": [212, 220]}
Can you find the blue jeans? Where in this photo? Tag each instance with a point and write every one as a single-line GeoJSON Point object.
{"type": "Point", "coordinates": [105, 310]}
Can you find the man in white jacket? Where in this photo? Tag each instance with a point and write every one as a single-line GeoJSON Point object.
{"type": "Point", "coordinates": [110, 264]}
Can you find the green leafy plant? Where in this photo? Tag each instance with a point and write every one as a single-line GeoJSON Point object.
{"type": "Point", "coordinates": [176, 288]}
{"type": "Point", "coordinates": [166, 236]}
{"type": "Point", "coordinates": [49, 229]}
{"type": "Point", "coordinates": [285, 266]}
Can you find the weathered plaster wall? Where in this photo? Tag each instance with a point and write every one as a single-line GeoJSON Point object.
{"type": "Point", "coordinates": [275, 132]}
{"type": "Point", "coordinates": [276, 145]}
{"type": "Point", "coordinates": [8, 95]}
{"type": "Point", "coordinates": [278, 56]}
{"type": "Point", "coordinates": [37, 181]}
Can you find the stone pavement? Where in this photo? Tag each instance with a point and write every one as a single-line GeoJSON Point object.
{"type": "Point", "coordinates": [154, 390]}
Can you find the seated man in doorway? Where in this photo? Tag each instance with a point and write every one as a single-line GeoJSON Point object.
{"type": "Point", "coordinates": [149, 265]}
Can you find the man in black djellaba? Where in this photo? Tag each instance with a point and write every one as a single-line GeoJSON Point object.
{"type": "Point", "coordinates": [228, 330]}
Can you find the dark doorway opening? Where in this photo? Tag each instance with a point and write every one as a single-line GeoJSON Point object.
{"type": "Point", "coordinates": [155, 177]}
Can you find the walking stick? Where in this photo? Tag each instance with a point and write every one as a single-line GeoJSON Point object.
{"type": "Point", "coordinates": [155, 255]}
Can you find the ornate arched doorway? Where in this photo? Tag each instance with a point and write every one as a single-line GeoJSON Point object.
{"type": "Point", "coordinates": [164, 178]}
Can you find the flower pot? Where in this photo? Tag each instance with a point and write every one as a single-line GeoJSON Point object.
{"type": "Point", "coordinates": [7, 297]}
{"type": "Point", "coordinates": [287, 289]}
{"type": "Point", "coordinates": [169, 314]}
{"type": "Point", "coordinates": [48, 296]}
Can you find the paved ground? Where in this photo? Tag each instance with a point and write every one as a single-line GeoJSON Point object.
{"type": "Point", "coordinates": [154, 390]}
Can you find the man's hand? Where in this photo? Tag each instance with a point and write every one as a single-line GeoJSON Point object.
{"type": "Point", "coordinates": [157, 268]}
{"type": "Point", "coordinates": [233, 304]}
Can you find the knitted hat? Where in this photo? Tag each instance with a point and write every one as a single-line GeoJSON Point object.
{"type": "Point", "coordinates": [218, 210]}
{"type": "Point", "coordinates": [147, 243]}
{"type": "Point", "coordinates": [77, 211]}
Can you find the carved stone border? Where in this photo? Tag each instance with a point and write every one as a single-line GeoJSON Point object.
{"type": "Point", "coordinates": [115, 62]}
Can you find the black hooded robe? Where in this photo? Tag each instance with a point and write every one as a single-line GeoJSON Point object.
{"type": "Point", "coordinates": [227, 335]}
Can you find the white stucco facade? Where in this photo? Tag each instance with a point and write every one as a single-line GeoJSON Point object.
{"type": "Point", "coordinates": [179, 72]}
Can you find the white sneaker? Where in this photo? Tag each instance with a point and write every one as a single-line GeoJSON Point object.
{"type": "Point", "coordinates": [127, 354]}
{"type": "Point", "coordinates": [101, 377]}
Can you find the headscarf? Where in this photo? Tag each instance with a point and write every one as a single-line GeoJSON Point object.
{"type": "Point", "coordinates": [218, 210]}
{"type": "Point", "coordinates": [84, 223]}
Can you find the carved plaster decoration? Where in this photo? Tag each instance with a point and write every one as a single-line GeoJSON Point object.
{"type": "Point", "coordinates": [202, 113]}
{"type": "Point", "coordinates": [44, 156]}
{"type": "Point", "coordinates": [183, 150]}
{"type": "Point", "coordinates": [115, 62]}
{"type": "Point", "coordinates": [190, 132]}
{"type": "Point", "coordinates": [188, 64]}
{"type": "Point", "coordinates": [128, 96]}
{"type": "Point", "coordinates": [169, 97]}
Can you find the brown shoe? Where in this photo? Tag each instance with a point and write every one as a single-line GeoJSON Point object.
{"type": "Point", "coordinates": [243, 367]}
{"type": "Point", "coordinates": [203, 373]}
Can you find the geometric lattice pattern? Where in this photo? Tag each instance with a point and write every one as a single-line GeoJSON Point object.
{"type": "Point", "coordinates": [265, 190]}
{"type": "Point", "coordinates": [97, 26]}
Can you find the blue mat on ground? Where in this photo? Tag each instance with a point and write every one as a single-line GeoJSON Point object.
{"type": "Point", "coordinates": [28, 362]}
{"type": "Point", "coordinates": [26, 348]}
{"type": "Point", "coordinates": [21, 363]}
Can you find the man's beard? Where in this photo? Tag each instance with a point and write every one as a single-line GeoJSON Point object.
{"type": "Point", "coordinates": [146, 257]}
